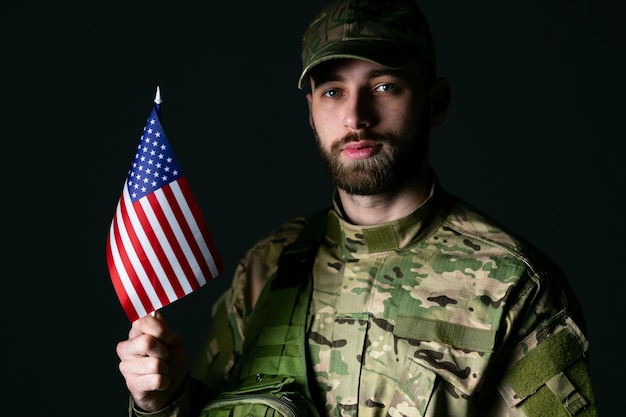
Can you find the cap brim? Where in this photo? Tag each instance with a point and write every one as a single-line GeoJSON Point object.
{"type": "Point", "coordinates": [391, 55]}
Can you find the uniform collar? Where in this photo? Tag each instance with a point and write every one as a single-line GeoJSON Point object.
{"type": "Point", "coordinates": [360, 241]}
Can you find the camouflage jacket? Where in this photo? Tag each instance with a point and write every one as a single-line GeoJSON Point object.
{"type": "Point", "coordinates": [441, 313]}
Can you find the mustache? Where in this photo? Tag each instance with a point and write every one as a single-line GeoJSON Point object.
{"type": "Point", "coordinates": [356, 137]}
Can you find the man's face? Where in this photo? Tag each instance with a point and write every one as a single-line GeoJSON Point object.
{"type": "Point", "coordinates": [371, 124]}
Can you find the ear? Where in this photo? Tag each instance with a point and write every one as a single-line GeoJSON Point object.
{"type": "Point", "coordinates": [309, 100]}
{"type": "Point", "coordinates": [439, 101]}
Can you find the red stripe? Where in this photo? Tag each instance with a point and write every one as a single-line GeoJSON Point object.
{"type": "Point", "coordinates": [188, 235]}
{"type": "Point", "coordinates": [174, 244]}
{"type": "Point", "coordinates": [127, 267]}
{"type": "Point", "coordinates": [204, 230]}
{"type": "Point", "coordinates": [137, 248]}
{"type": "Point", "coordinates": [127, 305]}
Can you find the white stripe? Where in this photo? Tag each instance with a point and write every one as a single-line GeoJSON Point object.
{"type": "Point", "coordinates": [191, 220]}
{"type": "Point", "coordinates": [146, 281]}
{"type": "Point", "coordinates": [165, 244]}
{"type": "Point", "coordinates": [121, 271]}
{"type": "Point", "coordinates": [180, 238]}
{"type": "Point", "coordinates": [153, 259]}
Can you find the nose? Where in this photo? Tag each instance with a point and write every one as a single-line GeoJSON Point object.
{"type": "Point", "coordinates": [358, 111]}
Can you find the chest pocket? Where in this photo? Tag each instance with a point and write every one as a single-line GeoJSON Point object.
{"type": "Point", "coordinates": [435, 350]}
{"type": "Point", "coordinates": [378, 368]}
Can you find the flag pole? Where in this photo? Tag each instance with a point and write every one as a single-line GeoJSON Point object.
{"type": "Point", "coordinates": [157, 106]}
{"type": "Point", "coordinates": [157, 100]}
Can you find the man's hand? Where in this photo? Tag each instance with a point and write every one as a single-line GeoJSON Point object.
{"type": "Point", "coordinates": [153, 362]}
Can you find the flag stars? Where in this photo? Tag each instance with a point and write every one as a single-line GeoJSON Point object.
{"type": "Point", "coordinates": [154, 165]}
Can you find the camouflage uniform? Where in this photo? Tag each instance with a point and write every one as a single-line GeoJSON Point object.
{"type": "Point", "coordinates": [441, 313]}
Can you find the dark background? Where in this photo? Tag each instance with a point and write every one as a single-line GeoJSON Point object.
{"type": "Point", "coordinates": [534, 137]}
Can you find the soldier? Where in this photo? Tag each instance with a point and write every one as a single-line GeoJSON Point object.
{"type": "Point", "coordinates": [421, 305]}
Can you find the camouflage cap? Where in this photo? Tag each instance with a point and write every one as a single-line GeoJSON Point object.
{"type": "Point", "coordinates": [388, 32]}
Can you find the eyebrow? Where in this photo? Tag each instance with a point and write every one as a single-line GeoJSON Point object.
{"type": "Point", "coordinates": [330, 76]}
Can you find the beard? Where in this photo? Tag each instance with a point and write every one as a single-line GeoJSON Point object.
{"type": "Point", "coordinates": [399, 160]}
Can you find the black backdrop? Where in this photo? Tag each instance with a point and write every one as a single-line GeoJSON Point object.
{"type": "Point", "coordinates": [534, 137]}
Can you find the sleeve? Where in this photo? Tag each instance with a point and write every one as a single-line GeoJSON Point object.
{"type": "Point", "coordinates": [545, 366]}
{"type": "Point", "coordinates": [222, 346]}
{"type": "Point", "coordinates": [190, 402]}
{"type": "Point", "coordinates": [212, 371]}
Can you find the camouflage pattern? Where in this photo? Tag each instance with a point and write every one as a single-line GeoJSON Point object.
{"type": "Point", "coordinates": [387, 32]}
{"type": "Point", "coordinates": [436, 314]}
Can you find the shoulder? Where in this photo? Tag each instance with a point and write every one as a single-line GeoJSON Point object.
{"type": "Point", "coordinates": [509, 256]}
{"type": "Point", "coordinates": [473, 223]}
{"type": "Point", "coordinates": [271, 244]}
{"type": "Point", "coordinates": [260, 262]}
{"type": "Point", "coordinates": [482, 232]}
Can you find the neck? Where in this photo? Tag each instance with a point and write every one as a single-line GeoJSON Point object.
{"type": "Point", "coordinates": [380, 208]}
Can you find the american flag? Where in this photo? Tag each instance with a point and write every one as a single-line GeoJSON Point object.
{"type": "Point", "coordinates": [159, 248]}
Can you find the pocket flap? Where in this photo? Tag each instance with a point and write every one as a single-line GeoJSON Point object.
{"type": "Point", "coordinates": [455, 335]}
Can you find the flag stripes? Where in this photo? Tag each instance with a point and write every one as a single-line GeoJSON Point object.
{"type": "Point", "coordinates": [159, 249]}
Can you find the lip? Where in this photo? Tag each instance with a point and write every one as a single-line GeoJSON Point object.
{"type": "Point", "coordinates": [361, 150]}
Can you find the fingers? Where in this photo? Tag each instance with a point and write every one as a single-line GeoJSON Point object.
{"type": "Point", "coordinates": [142, 385]}
{"type": "Point", "coordinates": [152, 361]}
{"type": "Point", "coordinates": [143, 345]}
{"type": "Point", "coordinates": [145, 374]}
{"type": "Point", "coordinates": [147, 348]}
{"type": "Point", "coordinates": [144, 365]}
{"type": "Point", "coordinates": [155, 327]}
{"type": "Point", "coordinates": [149, 325]}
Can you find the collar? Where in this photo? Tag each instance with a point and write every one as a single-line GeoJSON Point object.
{"type": "Point", "coordinates": [358, 241]}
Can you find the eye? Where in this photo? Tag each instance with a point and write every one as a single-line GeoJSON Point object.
{"type": "Point", "coordinates": [385, 88]}
{"type": "Point", "coordinates": [331, 93]}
